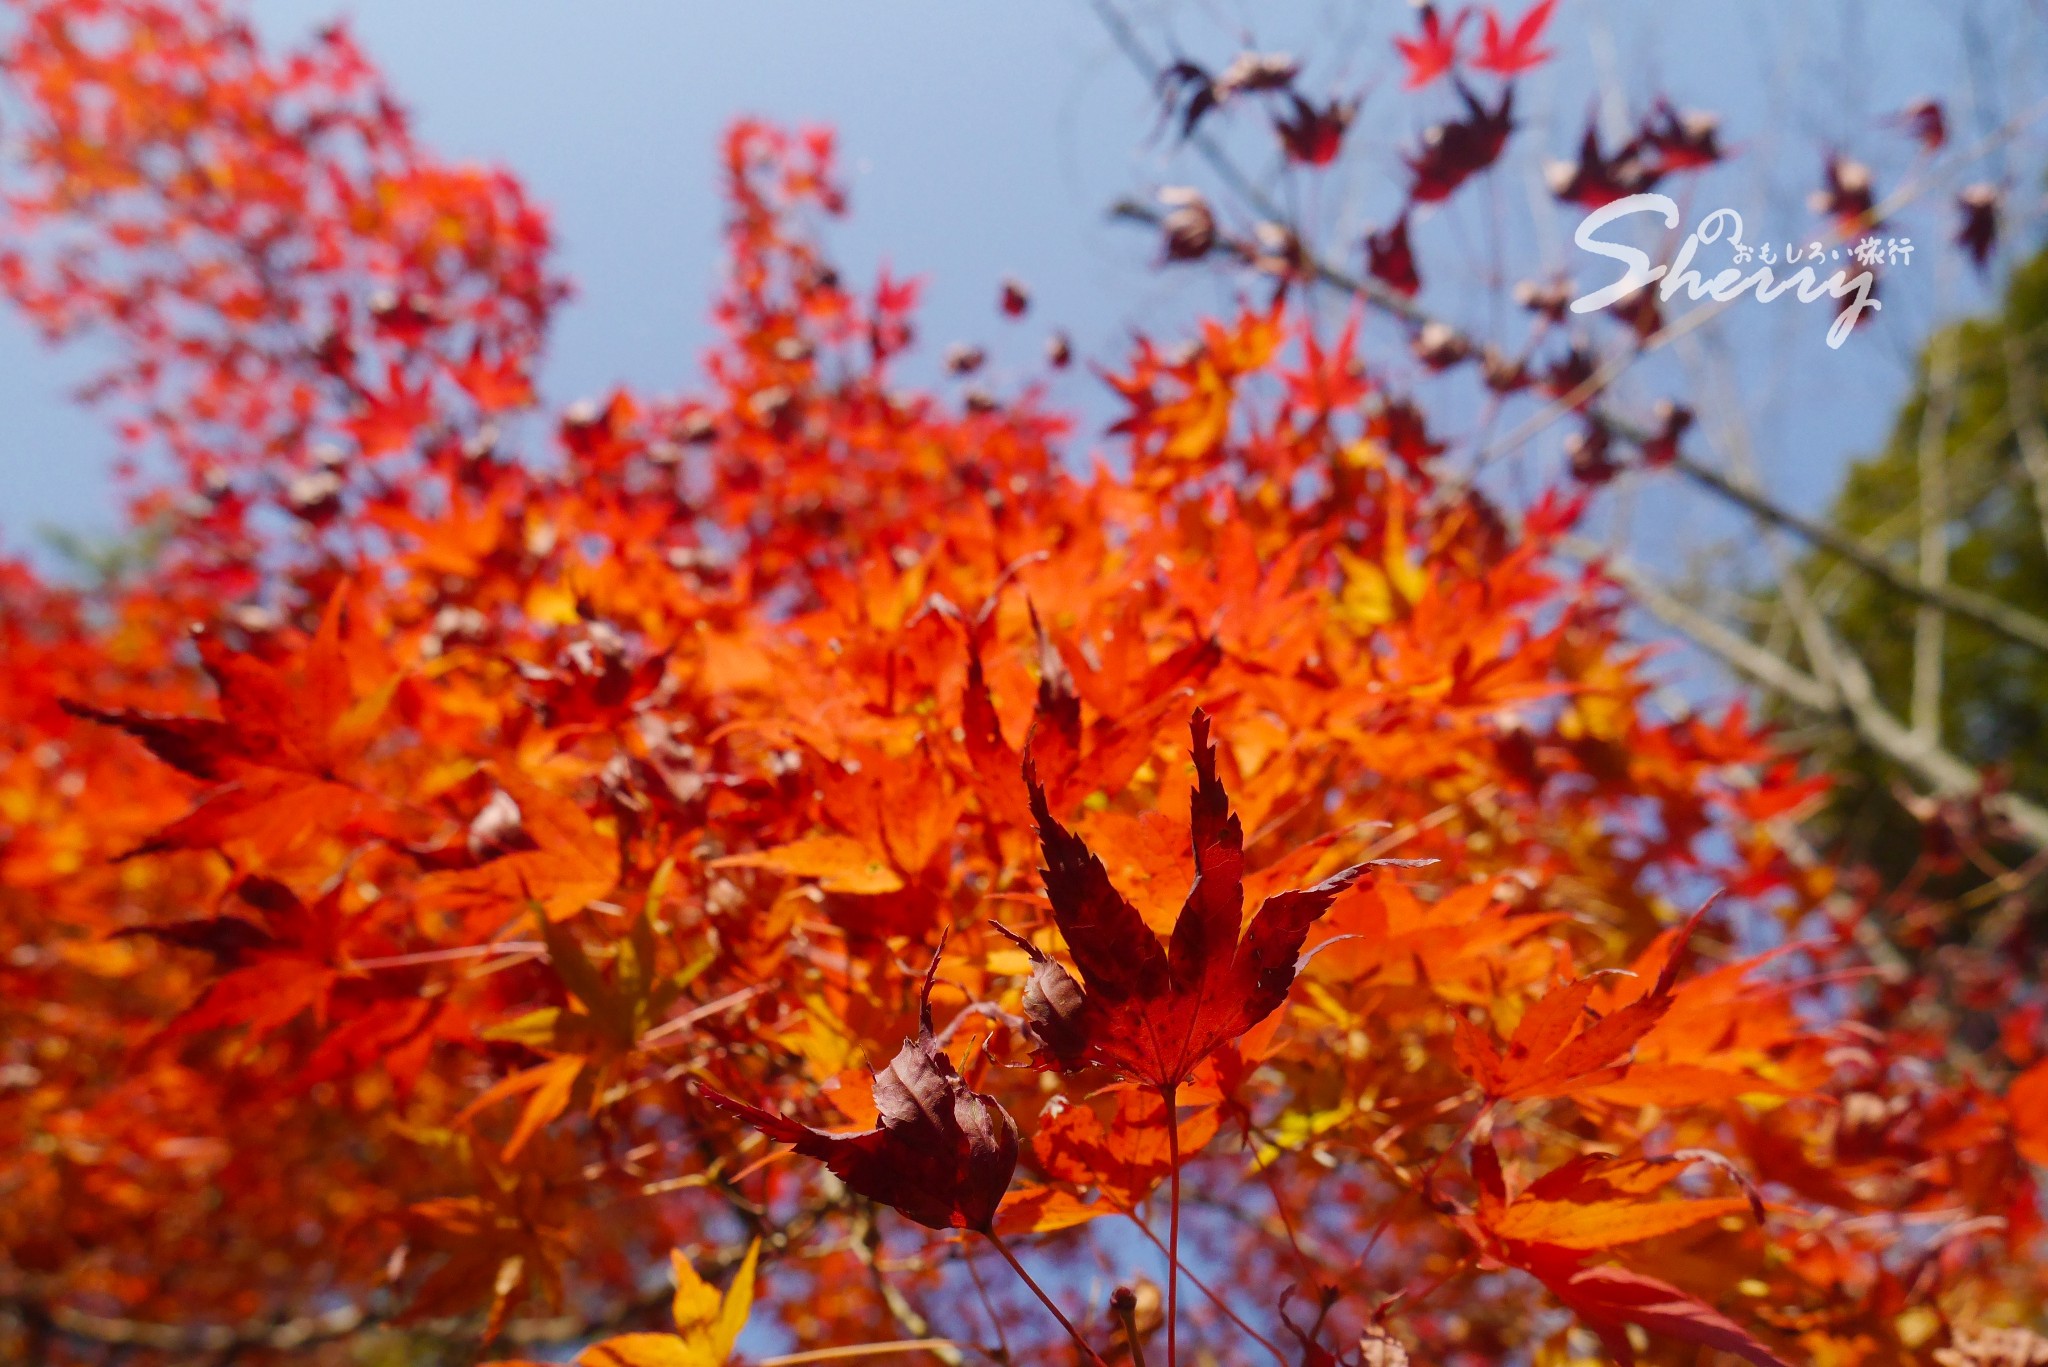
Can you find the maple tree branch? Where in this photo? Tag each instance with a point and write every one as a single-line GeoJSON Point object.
{"type": "Point", "coordinates": [866, 1231]}
{"type": "Point", "coordinates": [1844, 672]}
{"type": "Point", "coordinates": [677, 1024]}
{"type": "Point", "coordinates": [1043, 1299]}
{"type": "Point", "coordinates": [1833, 661]}
{"type": "Point", "coordinates": [436, 956]}
{"type": "Point", "coordinates": [1395, 839]}
{"type": "Point", "coordinates": [55, 1319]}
{"type": "Point", "coordinates": [1412, 1298]}
{"type": "Point", "coordinates": [1372, 291]}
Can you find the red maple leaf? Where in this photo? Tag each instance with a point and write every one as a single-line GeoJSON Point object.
{"type": "Point", "coordinates": [278, 758]}
{"type": "Point", "coordinates": [1683, 141]}
{"type": "Point", "coordinates": [1608, 1298]}
{"type": "Point", "coordinates": [1508, 54]}
{"type": "Point", "coordinates": [287, 963]}
{"type": "Point", "coordinates": [495, 386]}
{"type": "Point", "coordinates": [1390, 258]}
{"type": "Point", "coordinates": [1554, 1052]}
{"type": "Point", "coordinates": [1152, 1011]}
{"type": "Point", "coordinates": [1435, 52]}
{"type": "Point", "coordinates": [1591, 1205]}
{"type": "Point", "coordinates": [386, 422]}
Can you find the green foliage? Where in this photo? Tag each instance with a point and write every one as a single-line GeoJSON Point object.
{"type": "Point", "coordinates": [1994, 700]}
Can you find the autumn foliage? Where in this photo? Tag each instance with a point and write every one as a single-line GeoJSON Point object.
{"type": "Point", "coordinates": [464, 873]}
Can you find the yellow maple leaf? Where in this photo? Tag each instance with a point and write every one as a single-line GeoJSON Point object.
{"type": "Point", "coordinates": [707, 1324]}
{"type": "Point", "coordinates": [839, 863]}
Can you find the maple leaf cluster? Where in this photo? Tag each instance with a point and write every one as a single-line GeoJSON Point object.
{"type": "Point", "coordinates": [457, 884]}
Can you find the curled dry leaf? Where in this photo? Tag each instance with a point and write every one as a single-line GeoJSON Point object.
{"type": "Point", "coordinates": [940, 1153]}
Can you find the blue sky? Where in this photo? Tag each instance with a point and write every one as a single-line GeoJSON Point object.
{"type": "Point", "coordinates": [986, 140]}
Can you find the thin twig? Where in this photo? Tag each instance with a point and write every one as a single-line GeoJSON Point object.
{"type": "Point", "coordinates": [441, 956]}
{"type": "Point", "coordinates": [864, 1350]}
{"type": "Point", "coordinates": [677, 1024]}
{"type": "Point", "coordinates": [1214, 1298]}
{"type": "Point", "coordinates": [1043, 1299]}
{"type": "Point", "coordinates": [1929, 622]}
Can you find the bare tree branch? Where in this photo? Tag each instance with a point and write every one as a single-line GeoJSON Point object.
{"type": "Point", "coordinates": [2022, 628]}
{"type": "Point", "coordinates": [1929, 621]}
{"type": "Point", "coordinates": [1853, 702]}
{"type": "Point", "coordinates": [1755, 662]}
{"type": "Point", "coordinates": [2023, 401]}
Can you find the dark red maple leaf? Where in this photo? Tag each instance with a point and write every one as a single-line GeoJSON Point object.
{"type": "Point", "coordinates": [1456, 150]}
{"type": "Point", "coordinates": [1683, 141]}
{"type": "Point", "coordinates": [1978, 233]}
{"type": "Point", "coordinates": [1598, 179]}
{"type": "Point", "coordinates": [1390, 259]}
{"type": "Point", "coordinates": [1848, 195]}
{"type": "Point", "coordinates": [941, 1152]}
{"type": "Point", "coordinates": [1568, 375]}
{"type": "Point", "coordinates": [1589, 452]}
{"type": "Point", "coordinates": [1152, 1011]}
{"type": "Point", "coordinates": [1661, 446]}
{"type": "Point", "coordinates": [1926, 121]}
{"type": "Point", "coordinates": [1248, 73]}
{"type": "Point", "coordinates": [1313, 135]}
{"type": "Point", "coordinates": [1399, 425]}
